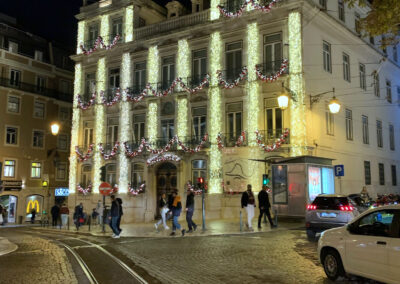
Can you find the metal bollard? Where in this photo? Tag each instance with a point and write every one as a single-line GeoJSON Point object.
{"type": "Point", "coordinates": [90, 222]}
{"type": "Point", "coordinates": [241, 222]}
{"type": "Point", "coordinates": [276, 217]}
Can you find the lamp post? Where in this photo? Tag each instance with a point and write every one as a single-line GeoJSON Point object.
{"type": "Point", "coordinates": [45, 185]}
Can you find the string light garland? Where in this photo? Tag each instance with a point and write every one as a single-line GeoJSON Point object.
{"type": "Point", "coordinates": [274, 77]}
{"type": "Point", "coordinates": [86, 105]}
{"type": "Point", "coordinates": [82, 157]}
{"type": "Point", "coordinates": [113, 153]}
{"type": "Point", "coordinates": [115, 99]}
{"type": "Point", "coordinates": [276, 145]}
{"type": "Point", "coordinates": [131, 154]}
{"type": "Point", "coordinates": [162, 158]}
{"type": "Point", "coordinates": [241, 139]}
{"type": "Point", "coordinates": [86, 190]}
{"type": "Point", "coordinates": [99, 43]}
{"type": "Point", "coordinates": [194, 150]}
{"type": "Point", "coordinates": [236, 82]}
{"type": "Point", "coordinates": [254, 4]}
{"type": "Point", "coordinates": [135, 191]}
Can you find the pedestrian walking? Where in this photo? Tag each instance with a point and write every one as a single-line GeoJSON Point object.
{"type": "Point", "coordinates": [114, 217]}
{"type": "Point", "coordinates": [100, 212]}
{"type": "Point", "coordinates": [264, 205]}
{"type": "Point", "coordinates": [94, 216]}
{"type": "Point", "coordinates": [121, 212]}
{"type": "Point", "coordinates": [79, 216]}
{"type": "Point", "coordinates": [248, 201]}
{"type": "Point", "coordinates": [176, 212]}
{"type": "Point", "coordinates": [190, 210]}
{"type": "Point", "coordinates": [163, 205]}
{"type": "Point", "coordinates": [33, 215]}
{"type": "Point", "coordinates": [1, 216]}
{"type": "Point", "coordinates": [64, 211]}
{"type": "Point", "coordinates": [55, 214]}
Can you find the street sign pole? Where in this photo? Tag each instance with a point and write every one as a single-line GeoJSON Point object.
{"type": "Point", "coordinates": [104, 212]}
{"type": "Point", "coordinates": [203, 208]}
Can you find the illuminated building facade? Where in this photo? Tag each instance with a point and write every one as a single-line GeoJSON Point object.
{"type": "Point", "coordinates": [208, 51]}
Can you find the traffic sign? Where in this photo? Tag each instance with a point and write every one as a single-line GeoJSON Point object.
{"type": "Point", "coordinates": [105, 189]}
{"type": "Point", "coordinates": [339, 170]}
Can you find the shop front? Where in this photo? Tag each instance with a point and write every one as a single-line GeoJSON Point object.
{"type": "Point", "coordinates": [9, 202]}
{"type": "Point", "coordinates": [34, 202]}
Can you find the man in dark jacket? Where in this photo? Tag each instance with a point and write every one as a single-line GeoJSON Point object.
{"type": "Point", "coordinates": [119, 200]}
{"type": "Point", "coordinates": [248, 201]}
{"type": "Point", "coordinates": [176, 212]}
{"type": "Point", "coordinates": [190, 210]}
{"type": "Point", "coordinates": [263, 203]}
{"type": "Point", "coordinates": [114, 215]}
{"type": "Point", "coordinates": [55, 213]}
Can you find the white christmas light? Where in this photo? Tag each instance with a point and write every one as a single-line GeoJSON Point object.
{"type": "Point", "coordinates": [81, 37]}
{"type": "Point", "coordinates": [104, 27]}
{"type": "Point", "coordinates": [129, 23]}
{"type": "Point", "coordinates": [183, 66]}
{"type": "Point", "coordinates": [154, 62]}
{"type": "Point", "coordinates": [182, 126]}
{"type": "Point", "coordinates": [214, 11]}
{"type": "Point", "coordinates": [297, 108]}
{"type": "Point", "coordinates": [152, 121]}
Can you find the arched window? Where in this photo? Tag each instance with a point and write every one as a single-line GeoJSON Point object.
{"type": "Point", "coordinates": [199, 169]}
{"type": "Point", "coordinates": [111, 174]}
{"type": "Point", "coordinates": [137, 171]}
{"type": "Point", "coordinates": [86, 175]}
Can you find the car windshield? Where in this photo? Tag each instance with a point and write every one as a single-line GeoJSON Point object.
{"type": "Point", "coordinates": [331, 203]}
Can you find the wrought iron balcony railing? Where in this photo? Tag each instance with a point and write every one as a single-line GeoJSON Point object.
{"type": "Point", "coordinates": [231, 139]}
{"type": "Point", "coordinates": [231, 74]}
{"type": "Point", "coordinates": [269, 68]}
{"type": "Point", "coordinates": [270, 136]}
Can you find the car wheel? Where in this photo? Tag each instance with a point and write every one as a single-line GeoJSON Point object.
{"type": "Point", "coordinates": [332, 264]}
{"type": "Point", "coordinates": [311, 235]}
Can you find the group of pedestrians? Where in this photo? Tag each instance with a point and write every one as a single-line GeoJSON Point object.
{"type": "Point", "coordinates": [59, 212]}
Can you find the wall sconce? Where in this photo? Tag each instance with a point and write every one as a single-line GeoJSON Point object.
{"type": "Point", "coordinates": [334, 104]}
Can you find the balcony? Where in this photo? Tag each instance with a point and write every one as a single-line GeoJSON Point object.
{"type": "Point", "coordinates": [172, 24]}
{"type": "Point", "coordinates": [107, 40]}
{"type": "Point", "coordinates": [231, 74]}
{"type": "Point", "coordinates": [270, 68]}
{"type": "Point", "coordinates": [160, 142]}
{"type": "Point", "coordinates": [234, 5]}
{"type": "Point", "coordinates": [50, 93]}
{"type": "Point", "coordinates": [230, 139]}
{"type": "Point", "coordinates": [194, 81]}
{"type": "Point", "coordinates": [270, 136]}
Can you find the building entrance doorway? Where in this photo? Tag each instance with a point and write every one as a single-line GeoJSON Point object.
{"type": "Point", "coordinates": [166, 182]}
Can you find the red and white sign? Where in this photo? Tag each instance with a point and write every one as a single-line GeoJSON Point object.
{"type": "Point", "coordinates": [105, 188]}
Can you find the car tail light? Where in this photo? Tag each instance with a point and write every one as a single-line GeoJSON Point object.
{"type": "Point", "coordinates": [346, 208]}
{"type": "Point", "coordinates": [311, 207]}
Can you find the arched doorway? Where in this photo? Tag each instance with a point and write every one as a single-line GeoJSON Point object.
{"type": "Point", "coordinates": [167, 181]}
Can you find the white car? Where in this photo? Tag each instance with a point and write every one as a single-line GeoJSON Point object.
{"type": "Point", "coordinates": [369, 246]}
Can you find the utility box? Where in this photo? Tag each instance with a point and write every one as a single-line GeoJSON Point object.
{"type": "Point", "coordinates": [297, 181]}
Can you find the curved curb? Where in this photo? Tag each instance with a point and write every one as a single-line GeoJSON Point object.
{"type": "Point", "coordinates": [6, 246]}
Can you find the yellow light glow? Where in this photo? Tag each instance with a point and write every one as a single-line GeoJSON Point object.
{"type": "Point", "coordinates": [129, 23]}
{"type": "Point", "coordinates": [183, 66]}
{"type": "Point", "coordinates": [152, 121]}
{"type": "Point", "coordinates": [182, 126]}
{"type": "Point", "coordinates": [45, 183]}
{"type": "Point", "coordinates": [153, 60]}
{"type": "Point", "coordinates": [32, 204]}
{"type": "Point", "coordinates": [215, 124]}
{"type": "Point", "coordinates": [214, 11]}
{"type": "Point", "coordinates": [283, 101]}
{"type": "Point", "coordinates": [297, 109]}
{"type": "Point", "coordinates": [81, 36]}
{"type": "Point", "coordinates": [55, 127]}
{"type": "Point", "coordinates": [105, 26]}
{"type": "Point", "coordinates": [99, 122]}
{"type": "Point", "coordinates": [334, 105]}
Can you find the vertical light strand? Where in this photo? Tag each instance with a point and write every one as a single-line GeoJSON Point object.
{"type": "Point", "coordinates": [81, 36]}
{"type": "Point", "coordinates": [152, 121]}
{"type": "Point", "coordinates": [214, 11]}
{"type": "Point", "coordinates": [99, 121]}
{"type": "Point", "coordinates": [124, 121]}
{"type": "Point", "coordinates": [154, 65]}
{"type": "Point", "coordinates": [128, 23]}
{"type": "Point", "coordinates": [105, 26]}
{"type": "Point", "coordinates": [76, 115]}
{"type": "Point", "coordinates": [297, 108]}
{"type": "Point", "coordinates": [183, 70]}
{"type": "Point", "coordinates": [215, 124]}
{"type": "Point", "coordinates": [182, 124]}
{"type": "Point", "coordinates": [253, 100]}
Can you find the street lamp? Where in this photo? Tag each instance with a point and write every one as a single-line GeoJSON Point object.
{"type": "Point", "coordinates": [55, 127]}
{"type": "Point", "coordinates": [283, 98]}
{"type": "Point", "coordinates": [334, 105]}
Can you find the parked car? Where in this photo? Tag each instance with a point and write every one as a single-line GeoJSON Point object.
{"type": "Point", "coordinates": [359, 202]}
{"type": "Point", "coordinates": [369, 246]}
{"type": "Point", "coordinates": [329, 211]}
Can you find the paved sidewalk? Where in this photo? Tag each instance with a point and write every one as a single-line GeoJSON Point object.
{"type": "Point", "coordinates": [6, 246]}
{"type": "Point", "coordinates": [213, 228]}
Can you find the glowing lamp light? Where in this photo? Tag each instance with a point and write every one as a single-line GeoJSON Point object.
{"type": "Point", "coordinates": [334, 105]}
{"type": "Point", "coordinates": [45, 183]}
{"type": "Point", "coordinates": [283, 101]}
{"type": "Point", "coordinates": [55, 128]}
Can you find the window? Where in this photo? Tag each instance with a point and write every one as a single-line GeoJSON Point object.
{"type": "Point", "coordinates": [376, 85]}
{"type": "Point", "coordinates": [13, 104]}
{"type": "Point", "coordinates": [168, 71]}
{"type": "Point", "coordinates": [272, 53]}
{"type": "Point", "coordinates": [61, 171]}
{"type": "Point", "coordinates": [90, 85]}
{"type": "Point", "coordinates": [112, 130]}
{"type": "Point", "coordinates": [322, 3]}
{"type": "Point", "coordinates": [199, 66]}
{"type": "Point", "coordinates": [349, 124]}
{"type": "Point", "coordinates": [233, 60]}
{"type": "Point", "coordinates": [111, 174]}
{"type": "Point", "coordinates": [234, 122]}
{"type": "Point", "coordinates": [12, 46]}
{"type": "Point", "coordinates": [38, 139]}
{"type": "Point", "coordinates": [326, 51]}
{"type": "Point", "coordinates": [341, 10]}
{"type": "Point", "coordinates": [137, 173]}
{"type": "Point", "coordinates": [394, 175]}
{"type": "Point", "coordinates": [86, 175]}
{"type": "Point", "coordinates": [15, 78]}
{"type": "Point", "coordinates": [381, 174]}
{"type": "Point", "coordinates": [391, 136]}
{"type": "Point", "coordinates": [138, 127]}
{"type": "Point", "coordinates": [167, 129]}
{"type": "Point", "coordinates": [93, 34]}
{"type": "Point", "coordinates": [88, 137]}
{"type": "Point", "coordinates": [389, 91]}
{"type": "Point", "coordinates": [379, 133]}
{"type": "Point", "coordinates": [367, 172]}
{"type": "Point", "coordinates": [113, 78]}
{"type": "Point", "coordinates": [357, 23]}
{"type": "Point", "coordinates": [274, 122]}
{"type": "Point", "coordinates": [140, 77]}
{"type": "Point", "coordinates": [377, 223]}
{"type": "Point", "coordinates": [65, 87]}
{"type": "Point", "coordinates": [63, 113]}
{"type": "Point", "coordinates": [11, 135]}
{"type": "Point", "coordinates": [62, 142]}
{"type": "Point", "coordinates": [9, 168]}
{"type": "Point", "coordinates": [395, 56]}
{"type": "Point", "coordinates": [40, 84]}
{"type": "Point", "coordinates": [346, 67]}
{"type": "Point", "coordinates": [363, 82]}
{"type": "Point", "coordinates": [365, 129]}
{"type": "Point", "coordinates": [38, 55]}
{"type": "Point", "coordinates": [199, 169]}
{"type": "Point", "coordinates": [36, 170]}
{"type": "Point", "coordinates": [38, 111]}
{"type": "Point", "coordinates": [199, 117]}
{"type": "Point", "coordinates": [116, 28]}
{"type": "Point", "coordinates": [330, 122]}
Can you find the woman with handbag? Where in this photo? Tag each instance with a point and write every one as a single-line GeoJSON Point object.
{"type": "Point", "coordinates": [78, 216]}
